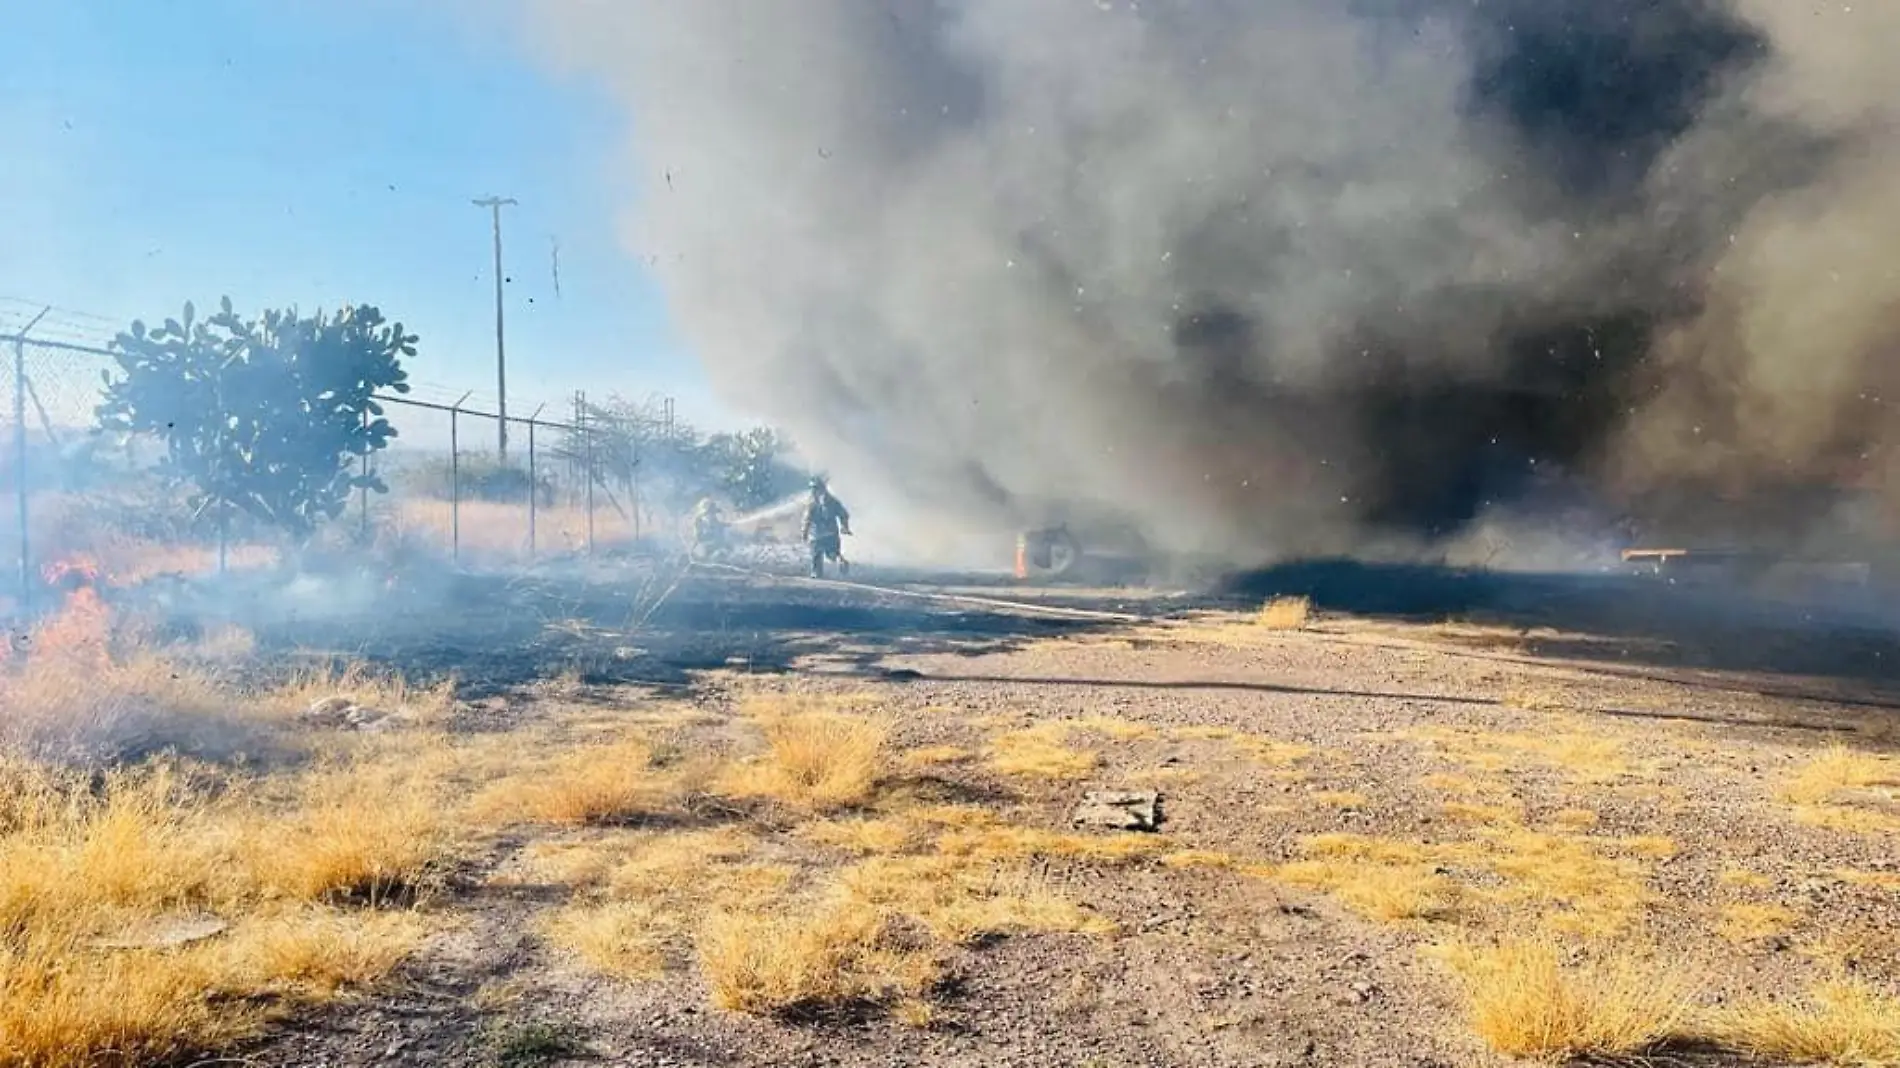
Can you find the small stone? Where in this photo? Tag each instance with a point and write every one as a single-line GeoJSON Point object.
{"type": "Point", "coordinates": [1119, 810]}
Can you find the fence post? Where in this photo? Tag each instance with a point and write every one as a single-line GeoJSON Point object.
{"type": "Point", "coordinates": [20, 467]}
{"type": "Point", "coordinates": [534, 484]}
{"type": "Point", "coordinates": [455, 482]}
{"type": "Point", "coordinates": [633, 487]}
{"type": "Point", "coordinates": [587, 438]}
{"type": "Point", "coordinates": [362, 492]}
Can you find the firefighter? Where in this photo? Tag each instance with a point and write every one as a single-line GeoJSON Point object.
{"type": "Point", "coordinates": [826, 519]}
{"type": "Point", "coordinates": [709, 529]}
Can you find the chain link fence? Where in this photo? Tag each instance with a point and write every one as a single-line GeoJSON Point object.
{"type": "Point", "coordinates": [102, 501]}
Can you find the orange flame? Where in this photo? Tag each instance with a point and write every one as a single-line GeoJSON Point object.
{"type": "Point", "coordinates": [80, 632]}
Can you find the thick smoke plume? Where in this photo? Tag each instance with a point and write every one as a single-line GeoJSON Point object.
{"type": "Point", "coordinates": [1265, 277]}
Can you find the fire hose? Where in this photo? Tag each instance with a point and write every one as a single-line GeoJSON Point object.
{"type": "Point", "coordinates": [1027, 607]}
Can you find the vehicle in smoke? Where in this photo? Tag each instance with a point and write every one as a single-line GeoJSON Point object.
{"type": "Point", "coordinates": [764, 537]}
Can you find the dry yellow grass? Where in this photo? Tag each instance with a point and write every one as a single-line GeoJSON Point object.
{"type": "Point", "coordinates": [62, 1006]}
{"type": "Point", "coordinates": [1203, 733]}
{"type": "Point", "coordinates": [1594, 887]}
{"type": "Point", "coordinates": [861, 835]}
{"type": "Point", "coordinates": [1744, 879]}
{"type": "Point", "coordinates": [612, 782]}
{"type": "Point", "coordinates": [814, 761]}
{"type": "Point", "coordinates": [65, 1004]}
{"type": "Point", "coordinates": [1121, 730]}
{"type": "Point", "coordinates": [1847, 1022]}
{"type": "Point", "coordinates": [363, 832]}
{"type": "Point", "coordinates": [83, 688]}
{"type": "Point", "coordinates": [1573, 883]}
{"type": "Point", "coordinates": [1847, 819]}
{"type": "Point", "coordinates": [1387, 893]}
{"type": "Point", "coordinates": [1574, 819]}
{"type": "Point", "coordinates": [1008, 842]}
{"type": "Point", "coordinates": [1588, 759]}
{"type": "Point", "coordinates": [1843, 790]}
{"type": "Point", "coordinates": [1840, 770]}
{"type": "Point", "coordinates": [319, 953]}
{"type": "Point", "coordinates": [1270, 751]}
{"type": "Point", "coordinates": [1468, 812]}
{"type": "Point", "coordinates": [622, 939]}
{"type": "Point", "coordinates": [1200, 858]}
{"type": "Point", "coordinates": [1339, 798]}
{"type": "Point", "coordinates": [1285, 613]}
{"type": "Point", "coordinates": [931, 758]}
{"type": "Point", "coordinates": [1533, 699]}
{"type": "Point", "coordinates": [874, 935]}
{"type": "Point", "coordinates": [498, 531]}
{"type": "Point", "coordinates": [961, 898]}
{"type": "Point", "coordinates": [1526, 1000]}
{"type": "Point", "coordinates": [836, 955]}
{"type": "Point", "coordinates": [379, 690]}
{"type": "Point", "coordinates": [648, 893]}
{"type": "Point", "coordinates": [1744, 921]}
{"type": "Point", "coordinates": [1879, 880]}
{"type": "Point", "coordinates": [1042, 752]}
{"type": "Point", "coordinates": [141, 842]}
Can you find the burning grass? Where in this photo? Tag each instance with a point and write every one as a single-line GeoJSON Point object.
{"type": "Point", "coordinates": [155, 907]}
{"type": "Point", "coordinates": [77, 691]}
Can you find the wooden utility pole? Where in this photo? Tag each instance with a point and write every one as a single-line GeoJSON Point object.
{"type": "Point", "coordinates": [494, 205]}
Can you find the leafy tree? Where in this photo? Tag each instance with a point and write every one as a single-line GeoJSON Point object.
{"type": "Point", "coordinates": [751, 468]}
{"type": "Point", "coordinates": [262, 417]}
{"type": "Point", "coordinates": [673, 464]}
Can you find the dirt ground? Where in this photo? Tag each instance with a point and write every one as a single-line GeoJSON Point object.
{"type": "Point", "coordinates": [1520, 777]}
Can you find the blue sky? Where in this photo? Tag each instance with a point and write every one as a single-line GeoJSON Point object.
{"type": "Point", "coordinates": [311, 153]}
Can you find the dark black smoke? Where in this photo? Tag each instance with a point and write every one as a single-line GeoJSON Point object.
{"type": "Point", "coordinates": [1266, 277]}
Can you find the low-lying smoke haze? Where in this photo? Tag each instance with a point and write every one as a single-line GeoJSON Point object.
{"type": "Point", "coordinates": [1265, 277]}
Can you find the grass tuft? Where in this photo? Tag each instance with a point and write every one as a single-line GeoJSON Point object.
{"type": "Point", "coordinates": [1285, 613]}
{"type": "Point", "coordinates": [1388, 893]}
{"type": "Point", "coordinates": [614, 782]}
{"type": "Point", "coordinates": [833, 957]}
{"type": "Point", "coordinates": [816, 761]}
{"type": "Point", "coordinates": [1042, 752]}
{"type": "Point", "coordinates": [1526, 1000]}
{"type": "Point", "coordinates": [363, 833]}
{"type": "Point", "coordinates": [1847, 1022]}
